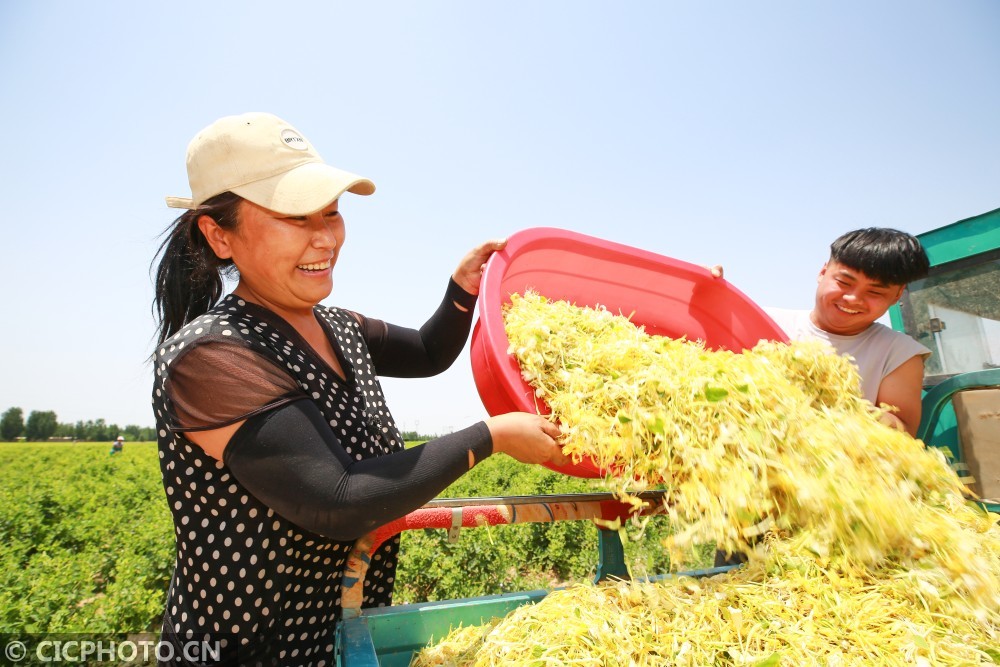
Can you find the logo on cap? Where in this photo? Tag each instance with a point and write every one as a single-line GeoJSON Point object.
{"type": "Point", "coordinates": [293, 139]}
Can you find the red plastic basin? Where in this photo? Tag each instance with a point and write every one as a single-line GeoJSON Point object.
{"type": "Point", "coordinates": [666, 296]}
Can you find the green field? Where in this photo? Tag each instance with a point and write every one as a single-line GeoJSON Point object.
{"type": "Point", "coordinates": [88, 543]}
{"type": "Point", "coordinates": [87, 538]}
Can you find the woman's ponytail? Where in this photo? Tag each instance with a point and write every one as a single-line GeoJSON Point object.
{"type": "Point", "coordinates": [189, 277]}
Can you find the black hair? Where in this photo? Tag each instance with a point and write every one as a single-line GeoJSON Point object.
{"type": "Point", "coordinates": [886, 255]}
{"type": "Point", "coordinates": [189, 278]}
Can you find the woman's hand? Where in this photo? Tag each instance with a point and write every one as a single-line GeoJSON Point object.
{"type": "Point", "coordinates": [527, 438]}
{"type": "Point", "coordinates": [470, 269]}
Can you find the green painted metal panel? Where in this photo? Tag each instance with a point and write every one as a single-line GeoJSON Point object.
{"type": "Point", "coordinates": [962, 239]}
{"type": "Point", "coordinates": [387, 637]}
{"type": "Point", "coordinates": [353, 644]}
{"type": "Point", "coordinates": [611, 556]}
{"type": "Point", "coordinates": [896, 317]}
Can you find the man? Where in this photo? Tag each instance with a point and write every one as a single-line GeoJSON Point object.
{"type": "Point", "coordinates": [867, 272]}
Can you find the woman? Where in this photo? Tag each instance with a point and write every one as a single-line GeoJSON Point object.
{"type": "Point", "coordinates": [276, 446]}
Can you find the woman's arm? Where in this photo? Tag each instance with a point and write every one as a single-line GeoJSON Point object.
{"type": "Point", "coordinates": [401, 352]}
{"type": "Point", "coordinates": [290, 459]}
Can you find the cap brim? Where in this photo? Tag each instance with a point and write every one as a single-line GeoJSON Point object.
{"type": "Point", "coordinates": [305, 189]}
{"type": "Point", "coordinates": [180, 202]}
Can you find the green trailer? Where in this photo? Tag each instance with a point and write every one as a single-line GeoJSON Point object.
{"type": "Point", "coordinates": [955, 312]}
{"type": "Point", "coordinates": [389, 636]}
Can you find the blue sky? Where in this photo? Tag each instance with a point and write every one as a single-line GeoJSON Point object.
{"type": "Point", "coordinates": [743, 133]}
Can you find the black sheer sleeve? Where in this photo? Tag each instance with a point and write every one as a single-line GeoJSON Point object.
{"type": "Point", "coordinates": [292, 461]}
{"type": "Point", "coordinates": [401, 352]}
{"type": "Point", "coordinates": [221, 381]}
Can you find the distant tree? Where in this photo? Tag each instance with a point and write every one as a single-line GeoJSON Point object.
{"type": "Point", "coordinates": [97, 431]}
{"type": "Point", "coordinates": [137, 433]}
{"type": "Point", "coordinates": [11, 424]}
{"type": "Point", "coordinates": [41, 425]}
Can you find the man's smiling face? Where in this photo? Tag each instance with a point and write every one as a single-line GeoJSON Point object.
{"type": "Point", "coordinates": [848, 301]}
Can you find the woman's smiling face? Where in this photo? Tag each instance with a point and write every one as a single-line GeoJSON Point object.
{"type": "Point", "coordinates": [848, 301]}
{"type": "Point", "coordinates": [286, 262]}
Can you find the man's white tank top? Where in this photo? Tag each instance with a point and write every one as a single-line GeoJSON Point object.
{"type": "Point", "coordinates": [877, 351]}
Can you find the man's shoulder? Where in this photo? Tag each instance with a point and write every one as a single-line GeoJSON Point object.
{"type": "Point", "coordinates": [896, 339]}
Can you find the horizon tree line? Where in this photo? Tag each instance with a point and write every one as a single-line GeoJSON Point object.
{"type": "Point", "coordinates": [42, 425]}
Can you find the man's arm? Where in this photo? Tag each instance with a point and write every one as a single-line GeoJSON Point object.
{"type": "Point", "coordinates": [902, 390]}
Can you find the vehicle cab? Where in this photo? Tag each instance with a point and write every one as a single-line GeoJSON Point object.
{"type": "Point", "coordinates": [955, 312]}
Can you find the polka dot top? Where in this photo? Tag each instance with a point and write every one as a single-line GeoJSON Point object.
{"type": "Point", "coordinates": [265, 588]}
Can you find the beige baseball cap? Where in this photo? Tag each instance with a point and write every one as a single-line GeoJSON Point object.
{"type": "Point", "coordinates": [265, 160]}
